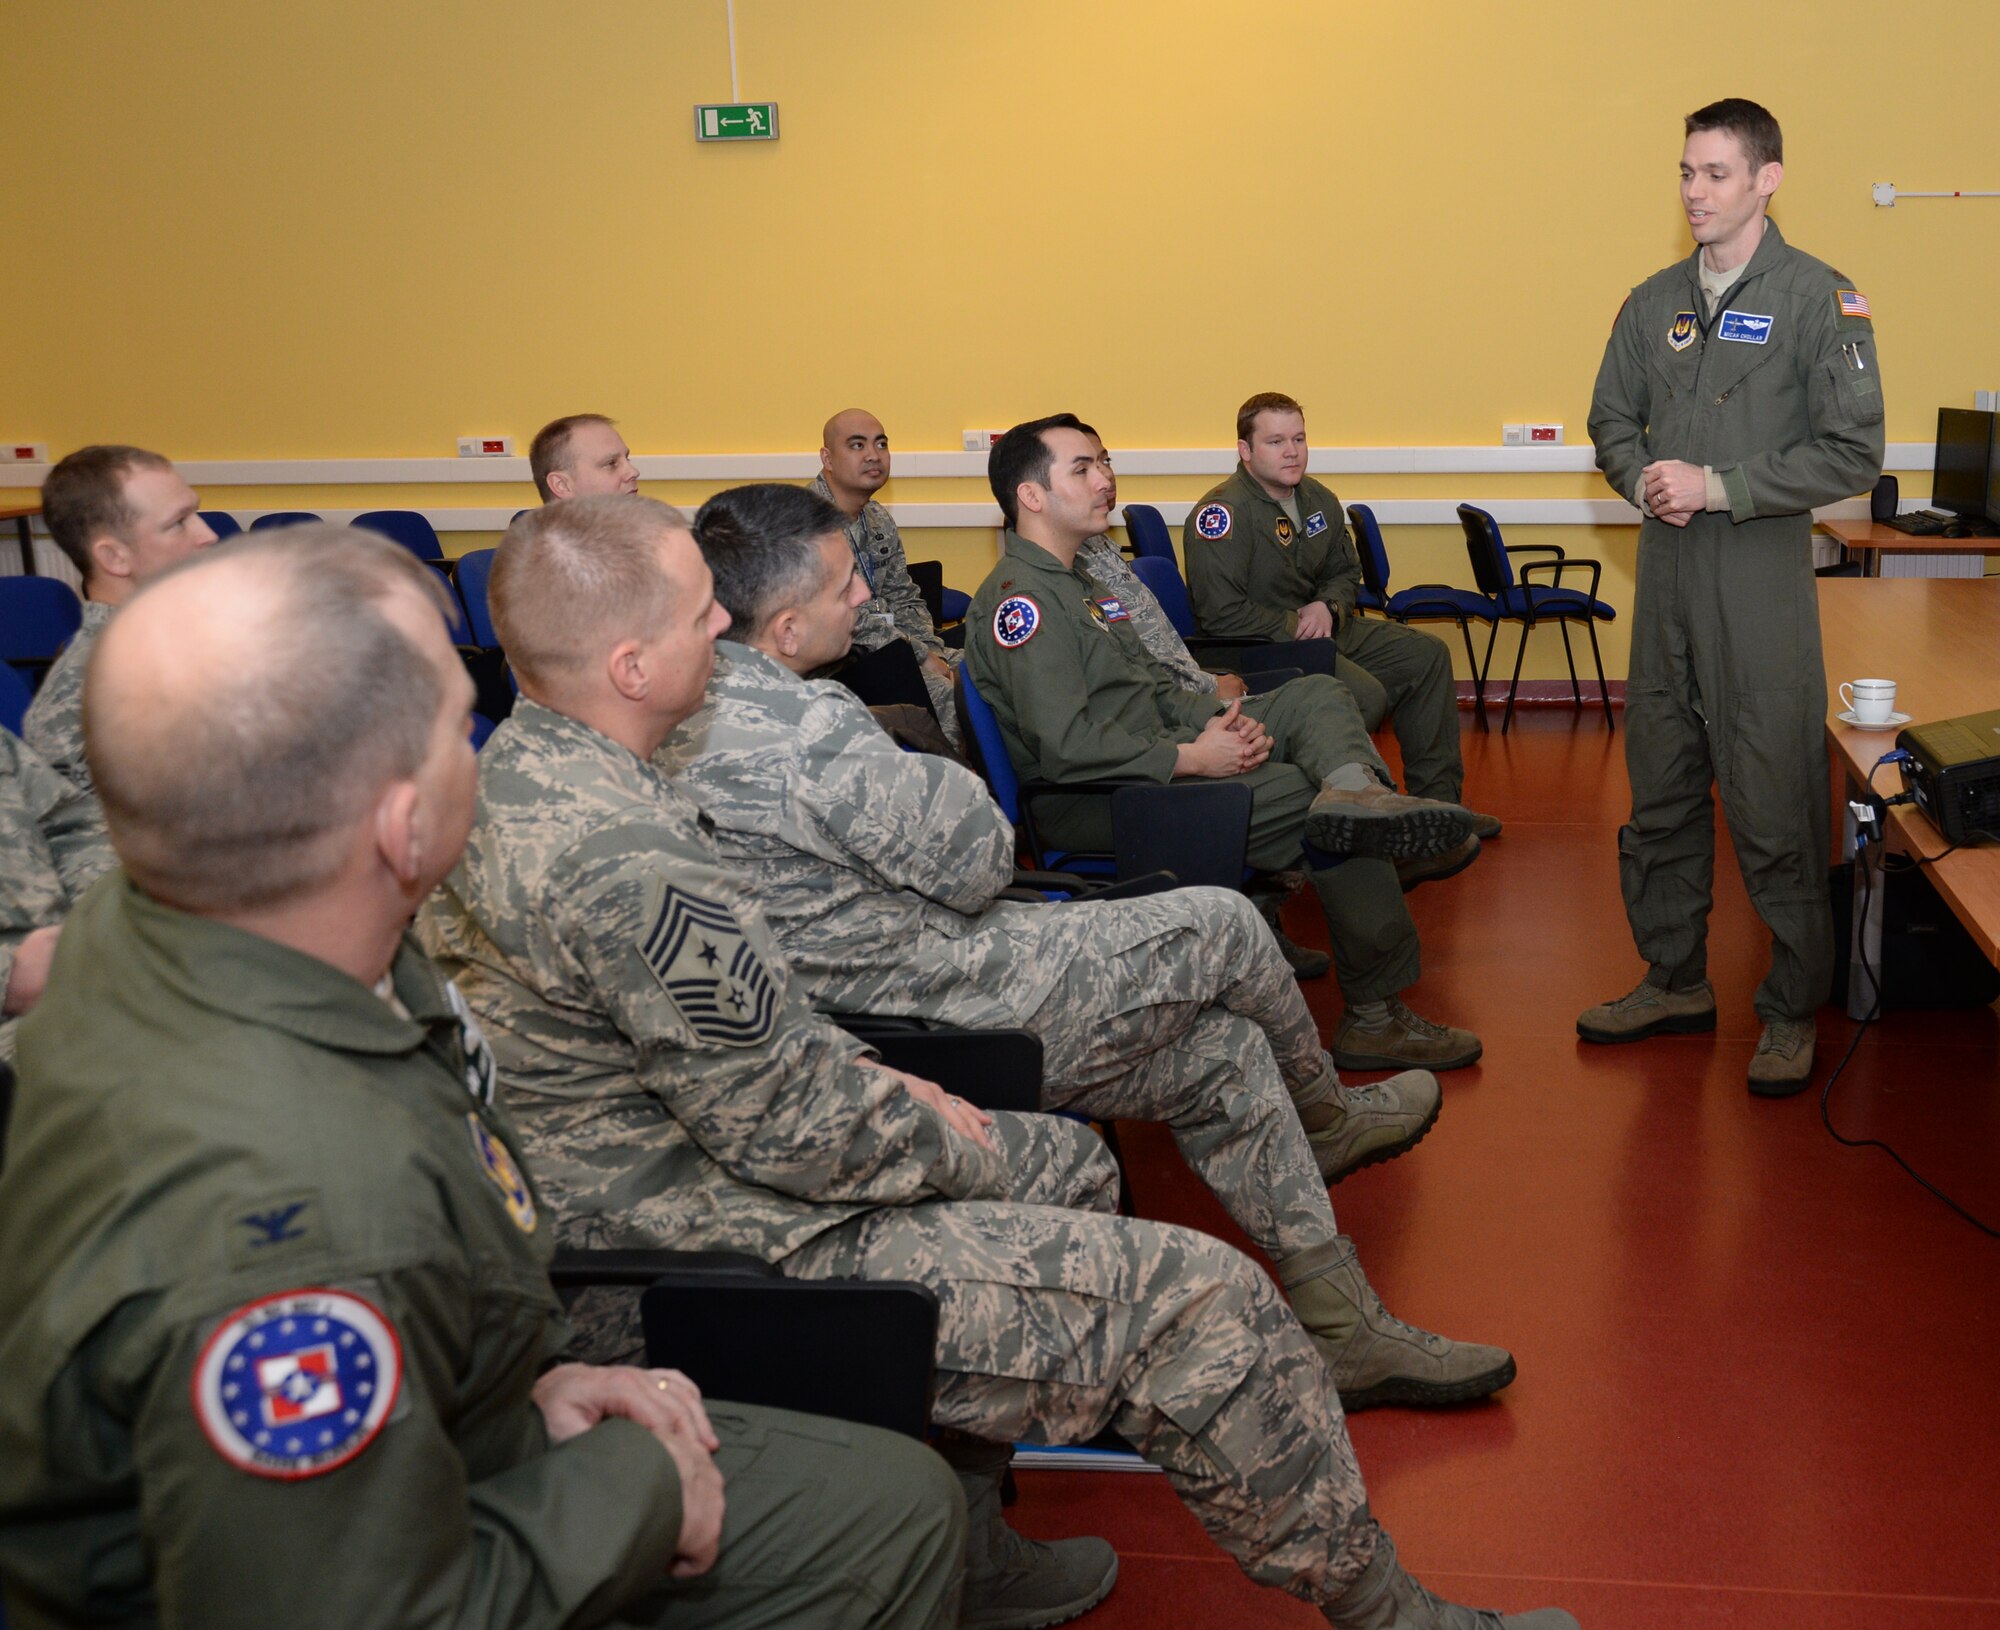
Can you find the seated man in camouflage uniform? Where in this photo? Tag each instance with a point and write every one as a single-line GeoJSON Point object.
{"type": "Point", "coordinates": [52, 848]}
{"type": "Point", "coordinates": [1080, 698]}
{"type": "Point", "coordinates": [854, 466]}
{"type": "Point", "coordinates": [677, 1090]}
{"type": "Point", "coordinates": [880, 873]}
{"type": "Point", "coordinates": [275, 1317]}
{"type": "Point", "coordinates": [122, 515]}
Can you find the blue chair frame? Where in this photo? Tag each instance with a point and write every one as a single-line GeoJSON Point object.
{"type": "Point", "coordinates": [1426, 603]}
{"type": "Point", "coordinates": [408, 527]}
{"type": "Point", "coordinates": [282, 518]}
{"type": "Point", "coordinates": [38, 617]}
{"type": "Point", "coordinates": [1529, 604]}
{"type": "Point", "coordinates": [221, 523]}
{"type": "Point", "coordinates": [1146, 528]}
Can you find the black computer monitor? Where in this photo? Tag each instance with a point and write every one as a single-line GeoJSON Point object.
{"type": "Point", "coordinates": [1958, 483]}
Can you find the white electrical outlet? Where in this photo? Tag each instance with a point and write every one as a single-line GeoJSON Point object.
{"type": "Point", "coordinates": [1986, 401]}
{"type": "Point", "coordinates": [978, 441]}
{"type": "Point", "coordinates": [24, 452]}
{"type": "Point", "coordinates": [485, 446]}
{"type": "Point", "coordinates": [1545, 435]}
{"type": "Point", "coordinates": [1513, 435]}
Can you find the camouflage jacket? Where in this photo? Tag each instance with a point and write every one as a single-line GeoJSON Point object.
{"type": "Point", "coordinates": [54, 725]}
{"type": "Point", "coordinates": [1100, 558]}
{"type": "Point", "coordinates": [671, 1083]}
{"type": "Point", "coordinates": [878, 870]}
{"type": "Point", "coordinates": [52, 847]}
{"type": "Point", "coordinates": [897, 606]}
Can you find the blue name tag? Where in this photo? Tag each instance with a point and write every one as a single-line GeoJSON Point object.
{"type": "Point", "coordinates": [1744, 326]}
{"type": "Point", "coordinates": [1315, 523]}
{"type": "Point", "coordinates": [1114, 610]}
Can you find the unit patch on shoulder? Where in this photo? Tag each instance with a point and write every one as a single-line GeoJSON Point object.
{"type": "Point", "coordinates": [710, 972]}
{"type": "Point", "coordinates": [499, 1165]}
{"type": "Point", "coordinates": [1015, 621]}
{"type": "Point", "coordinates": [293, 1385]}
{"type": "Point", "coordinates": [1682, 334]}
{"type": "Point", "coordinates": [1745, 327]}
{"type": "Point", "coordinates": [1315, 523]}
{"type": "Point", "coordinates": [1114, 609]}
{"type": "Point", "coordinates": [1851, 303]}
{"type": "Point", "coordinates": [1285, 529]}
{"type": "Point", "coordinates": [1211, 521]}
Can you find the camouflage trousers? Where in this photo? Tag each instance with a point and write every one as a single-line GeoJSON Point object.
{"type": "Point", "coordinates": [1057, 1320]}
{"type": "Point", "coordinates": [1177, 1007]}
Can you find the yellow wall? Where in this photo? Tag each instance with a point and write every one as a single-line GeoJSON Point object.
{"type": "Point", "coordinates": [362, 229]}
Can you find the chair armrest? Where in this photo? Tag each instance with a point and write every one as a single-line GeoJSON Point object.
{"type": "Point", "coordinates": [994, 1069]}
{"type": "Point", "coordinates": [1557, 567]}
{"type": "Point", "coordinates": [1269, 679]}
{"type": "Point", "coordinates": [1555, 549]}
{"type": "Point", "coordinates": [635, 1268]}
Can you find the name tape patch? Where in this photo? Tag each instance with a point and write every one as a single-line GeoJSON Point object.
{"type": "Point", "coordinates": [1211, 521]}
{"type": "Point", "coordinates": [1114, 609]}
{"type": "Point", "coordinates": [1315, 523]}
{"type": "Point", "coordinates": [296, 1384]}
{"type": "Point", "coordinates": [1015, 620]}
{"type": "Point", "coordinates": [1745, 327]}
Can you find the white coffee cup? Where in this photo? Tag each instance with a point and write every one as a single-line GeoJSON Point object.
{"type": "Point", "coordinates": [1871, 701]}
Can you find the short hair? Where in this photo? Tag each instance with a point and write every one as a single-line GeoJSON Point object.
{"type": "Point", "coordinates": [84, 498]}
{"type": "Point", "coordinates": [1021, 455]}
{"type": "Point", "coordinates": [761, 543]}
{"type": "Point", "coordinates": [246, 795]}
{"type": "Point", "coordinates": [571, 580]}
{"type": "Point", "coordinates": [1750, 123]}
{"type": "Point", "coordinates": [1263, 402]}
{"type": "Point", "coordinates": [550, 448]}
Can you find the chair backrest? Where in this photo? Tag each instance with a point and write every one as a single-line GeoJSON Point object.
{"type": "Point", "coordinates": [928, 575]}
{"type": "Point", "coordinates": [221, 523]}
{"type": "Point", "coordinates": [282, 517]}
{"type": "Point", "coordinates": [475, 569]}
{"type": "Point", "coordinates": [1368, 544]}
{"type": "Point", "coordinates": [15, 695]}
{"type": "Point", "coordinates": [1491, 569]}
{"type": "Point", "coordinates": [407, 527]}
{"type": "Point", "coordinates": [986, 745]}
{"type": "Point", "coordinates": [38, 617]}
{"type": "Point", "coordinates": [1147, 528]}
{"type": "Point", "coordinates": [1162, 576]}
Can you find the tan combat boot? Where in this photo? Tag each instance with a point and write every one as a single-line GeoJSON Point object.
{"type": "Point", "coordinates": [1012, 1583]}
{"type": "Point", "coordinates": [1353, 1127]}
{"type": "Point", "coordinates": [1375, 1357]}
{"type": "Point", "coordinates": [1782, 1064]}
{"type": "Point", "coordinates": [1650, 1010]}
{"type": "Point", "coordinates": [1368, 819]}
{"type": "Point", "coordinates": [1387, 1598]}
{"type": "Point", "coordinates": [1436, 868]}
{"type": "Point", "coordinates": [1386, 1035]}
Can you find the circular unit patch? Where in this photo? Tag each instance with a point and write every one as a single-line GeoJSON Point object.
{"type": "Point", "coordinates": [1015, 620]}
{"type": "Point", "coordinates": [295, 1384]}
{"type": "Point", "coordinates": [498, 1165]}
{"type": "Point", "coordinates": [1211, 521]}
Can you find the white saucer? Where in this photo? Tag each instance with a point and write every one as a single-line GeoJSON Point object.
{"type": "Point", "coordinates": [1895, 721]}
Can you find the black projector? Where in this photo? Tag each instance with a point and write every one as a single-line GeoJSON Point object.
{"type": "Point", "coordinates": [1954, 774]}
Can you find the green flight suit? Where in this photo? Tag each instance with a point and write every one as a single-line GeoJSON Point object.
{"type": "Point", "coordinates": [207, 1120]}
{"type": "Point", "coordinates": [1249, 569]}
{"type": "Point", "coordinates": [1080, 698]}
{"type": "Point", "coordinates": [1779, 394]}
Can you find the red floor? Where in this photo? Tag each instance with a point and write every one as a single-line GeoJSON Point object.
{"type": "Point", "coordinates": [1760, 1373]}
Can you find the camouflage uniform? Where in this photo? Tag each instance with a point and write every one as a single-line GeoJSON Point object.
{"type": "Point", "coordinates": [54, 725]}
{"type": "Point", "coordinates": [1099, 558]}
{"type": "Point", "coordinates": [52, 847]}
{"type": "Point", "coordinates": [880, 871]}
{"type": "Point", "coordinates": [669, 1104]}
{"type": "Point", "coordinates": [1081, 698]}
{"type": "Point", "coordinates": [895, 608]}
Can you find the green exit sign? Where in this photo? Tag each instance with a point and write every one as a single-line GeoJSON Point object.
{"type": "Point", "coordinates": [736, 121]}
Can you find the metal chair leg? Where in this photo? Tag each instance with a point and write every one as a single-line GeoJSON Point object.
{"type": "Point", "coordinates": [1479, 684]}
{"type": "Point", "coordinates": [1575, 690]}
{"type": "Point", "coordinates": [1520, 655]}
{"type": "Point", "coordinates": [1603, 690]}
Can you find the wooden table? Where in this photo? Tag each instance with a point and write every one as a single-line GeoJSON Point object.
{"type": "Point", "coordinates": [20, 514]}
{"type": "Point", "coordinates": [1939, 639]}
{"type": "Point", "coordinates": [1873, 542]}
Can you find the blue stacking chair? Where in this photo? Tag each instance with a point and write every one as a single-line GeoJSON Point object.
{"type": "Point", "coordinates": [38, 617]}
{"type": "Point", "coordinates": [221, 523]}
{"type": "Point", "coordinates": [1529, 603]}
{"type": "Point", "coordinates": [475, 569]}
{"type": "Point", "coordinates": [1147, 528]}
{"type": "Point", "coordinates": [14, 698]}
{"type": "Point", "coordinates": [1200, 839]}
{"type": "Point", "coordinates": [478, 640]}
{"type": "Point", "coordinates": [1426, 603]}
{"type": "Point", "coordinates": [412, 530]}
{"type": "Point", "coordinates": [1260, 670]}
{"type": "Point", "coordinates": [282, 518]}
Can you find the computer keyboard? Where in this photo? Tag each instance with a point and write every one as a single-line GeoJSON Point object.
{"type": "Point", "coordinates": [1922, 523]}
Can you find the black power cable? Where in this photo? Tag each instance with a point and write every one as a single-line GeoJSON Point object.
{"type": "Point", "coordinates": [1865, 890]}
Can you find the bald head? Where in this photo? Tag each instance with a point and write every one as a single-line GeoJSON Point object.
{"type": "Point", "coordinates": [246, 708]}
{"type": "Point", "coordinates": [854, 454]}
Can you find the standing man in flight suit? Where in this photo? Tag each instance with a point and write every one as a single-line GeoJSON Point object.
{"type": "Point", "coordinates": [1740, 388]}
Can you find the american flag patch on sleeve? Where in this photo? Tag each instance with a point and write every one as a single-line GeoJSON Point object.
{"type": "Point", "coordinates": [1852, 303]}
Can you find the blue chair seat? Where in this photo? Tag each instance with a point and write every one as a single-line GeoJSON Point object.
{"type": "Point", "coordinates": [1550, 602]}
{"type": "Point", "coordinates": [1437, 600]}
